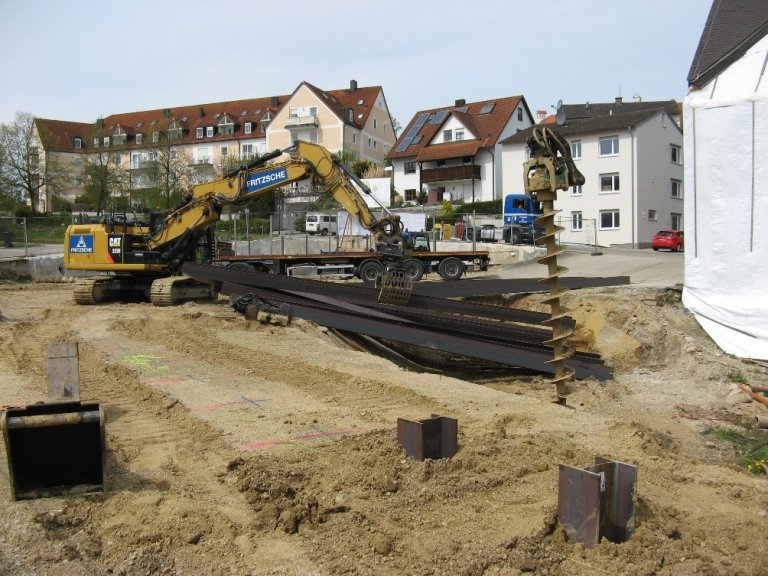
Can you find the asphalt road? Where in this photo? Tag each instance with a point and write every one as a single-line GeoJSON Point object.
{"type": "Point", "coordinates": [644, 267]}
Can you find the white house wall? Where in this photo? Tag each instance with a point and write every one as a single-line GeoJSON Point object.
{"type": "Point", "coordinates": [655, 172]}
{"type": "Point", "coordinates": [641, 187]}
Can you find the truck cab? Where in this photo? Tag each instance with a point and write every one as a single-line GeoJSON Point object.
{"type": "Point", "coordinates": [520, 212]}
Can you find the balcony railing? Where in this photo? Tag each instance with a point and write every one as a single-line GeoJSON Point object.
{"type": "Point", "coordinates": [301, 121]}
{"type": "Point", "coordinates": [467, 172]}
{"type": "Point", "coordinates": [144, 165]}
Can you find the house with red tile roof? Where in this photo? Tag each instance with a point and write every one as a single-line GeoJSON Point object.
{"type": "Point", "coordinates": [208, 137]}
{"type": "Point", "coordinates": [454, 152]}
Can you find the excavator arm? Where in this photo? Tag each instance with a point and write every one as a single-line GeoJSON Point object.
{"type": "Point", "coordinates": [203, 206]}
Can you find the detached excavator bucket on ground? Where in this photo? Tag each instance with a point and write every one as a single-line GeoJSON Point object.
{"type": "Point", "coordinates": [56, 447]}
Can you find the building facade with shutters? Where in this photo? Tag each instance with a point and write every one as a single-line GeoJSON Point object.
{"type": "Point", "coordinates": [188, 145]}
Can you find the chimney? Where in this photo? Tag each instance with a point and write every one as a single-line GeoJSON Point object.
{"type": "Point", "coordinates": [352, 85]}
{"type": "Point", "coordinates": [540, 115]}
{"type": "Point", "coordinates": [460, 102]}
{"type": "Point", "coordinates": [274, 101]}
{"type": "Point", "coordinates": [202, 111]}
{"type": "Point", "coordinates": [167, 113]}
{"type": "Point", "coordinates": [618, 99]}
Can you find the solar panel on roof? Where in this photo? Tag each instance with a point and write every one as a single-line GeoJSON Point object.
{"type": "Point", "coordinates": [420, 121]}
{"type": "Point", "coordinates": [438, 117]}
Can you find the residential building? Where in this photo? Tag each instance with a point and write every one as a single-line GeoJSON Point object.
{"type": "Point", "coordinates": [201, 140]}
{"type": "Point", "coordinates": [726, 118]}
{"type": "Point", "coordinates": [454, 152]}
{"type": "Point", "coordinates": [630, 154]}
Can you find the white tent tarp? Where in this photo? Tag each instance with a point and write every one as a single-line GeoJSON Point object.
{"type": "Point", "coordinates": [726, 205]}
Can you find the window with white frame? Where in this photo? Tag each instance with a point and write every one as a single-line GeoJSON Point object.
{"type": "Point", "coordinates": [139, 138]}
{"type": "Point", "coordinates": [224, 152]}
{"type": "Point", "coordinates": [576, 149]}
{"type": "Point", "coordinates": [226, 126]}
{"type": "Point", "coordinates": [609, 183]}
{"type": "Point", "coordinates": [96, 142]}
{"type": "Point", "coordinates": [520, 114]}
{"type": "Point", "coordinates": [609, 219]}
{"type": "Point", "coordinates": [199, 133]}
{"type": "Point", "coordinates": [459, 135]}
{"type": "Point", "coordinates": [447, 135]}
{"type": "Point", "coordinates": [576, 190]}
{"type": "Point", "coordinates": [609, 146]}
{"type": "Point", "coordinates": [106, 140]}
{"type": "Point", "coordinates": [247, 151]}
{"type": "Point", "coordinates": [78, 142]}
{"type": "Point", "coordinates": [676, 188]}
{"type": "Point", "coordinates": [652, 215]}
{"type": "Point", "coordinates": [203, 155]}
{"type": "Point", "coordinates": [676, 221]}
{"type": "Point", "coordinates": [209, 131]}
{"type": "Point", "coordinates": [248, 127]}
{"type": "Point", "coordinates": [576, 221]}
{"type": "Point", "coordinates": [155, 137]}
{"type": "Point", "coordinates": [675, 154]}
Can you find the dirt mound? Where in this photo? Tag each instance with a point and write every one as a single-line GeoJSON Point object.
{"type": "Point", "coordinates": [237, 448]}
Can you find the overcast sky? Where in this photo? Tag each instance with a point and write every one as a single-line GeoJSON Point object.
{"type": "Point", "coordinates": [82, 59]}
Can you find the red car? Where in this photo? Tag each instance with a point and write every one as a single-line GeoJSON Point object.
{"type": "Point", "coordinates": [671, 239]}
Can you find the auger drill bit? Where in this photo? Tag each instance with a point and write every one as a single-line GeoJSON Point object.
{"type": "Point", "coordinates": [551, 167]}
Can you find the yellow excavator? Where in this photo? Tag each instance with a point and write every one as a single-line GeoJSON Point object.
{"type": "Point", "coordinates": [144, 261]}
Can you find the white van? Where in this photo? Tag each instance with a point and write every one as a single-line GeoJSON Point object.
{"type": "Point", "coordinates": [322, 224]}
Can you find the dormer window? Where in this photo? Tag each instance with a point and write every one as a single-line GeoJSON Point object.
{"type": "Point", "coordinates": [119, 136]}
{"type": "Point", "coordinates": [78, 143]}
{"type": "Point", "coordinates": [199, 132]}
{"type": "Point", "coordinates": [209, 131]}
{"type": "Point", "coordinates": [248, 127]}
{"type": "Point", "coordinates": [226, 126]}
{"type": "Point", "coordinates": [155, 137]}
{"type": "Point", "coordinates": [175, 131]}
{"type": "Point", "coordinates": [139, 138]}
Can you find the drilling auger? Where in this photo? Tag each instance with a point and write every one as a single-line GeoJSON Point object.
{"type": "Point", "coordinates": [549, 169]}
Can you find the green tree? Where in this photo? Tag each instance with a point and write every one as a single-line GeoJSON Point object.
{"type": "Point", "coordinates": [173, 172]}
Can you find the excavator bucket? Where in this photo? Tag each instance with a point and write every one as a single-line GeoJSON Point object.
{"type": "Point", "coordinates": [395, 286]}
{"type": "Point", "coordinates": [56, 447]}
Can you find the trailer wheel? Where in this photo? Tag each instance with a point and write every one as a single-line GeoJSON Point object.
{"type": "Point", "coordinates": [241, 267]}
{"type": "Point", "coordinates": [414, 268]}
{"type": "Point", "coordinates": [370, 271]}
{"type": "Point", "coordinates": [451, 269]}
{"type": "Point", "coordinates": [324, 232]}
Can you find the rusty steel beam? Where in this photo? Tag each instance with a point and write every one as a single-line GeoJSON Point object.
{"type": "Point", "coordinates": [359, 293]}
{"type": "Point", "coordinates": [534, 357]}
{"type": "Point", "coordinates": [597, 502]}
{"type": "Point", "coordinates": [433, 438]}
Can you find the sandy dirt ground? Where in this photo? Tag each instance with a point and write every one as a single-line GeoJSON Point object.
{"type": "Point", "coordinates": [235, 448]}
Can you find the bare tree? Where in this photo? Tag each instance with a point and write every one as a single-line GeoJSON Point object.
{"type": "Point", "coordinates": [173, 172]}
{"type": "Point", "coordinates": [105, 179]}
{"type": "Point", "coordinates": [25, 172]}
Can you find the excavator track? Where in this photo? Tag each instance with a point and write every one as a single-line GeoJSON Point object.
{"type": "Point", "coordinates": [92, 290]}
{"type": "Point", "coordinates": [177, 289]}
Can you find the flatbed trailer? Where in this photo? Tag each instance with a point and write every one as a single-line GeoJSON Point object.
{"type": "Point", "coordinates": [364, 265]}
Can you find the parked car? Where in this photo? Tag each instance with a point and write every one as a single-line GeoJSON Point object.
{"type": "Point", "coordinates": [671, 239]}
